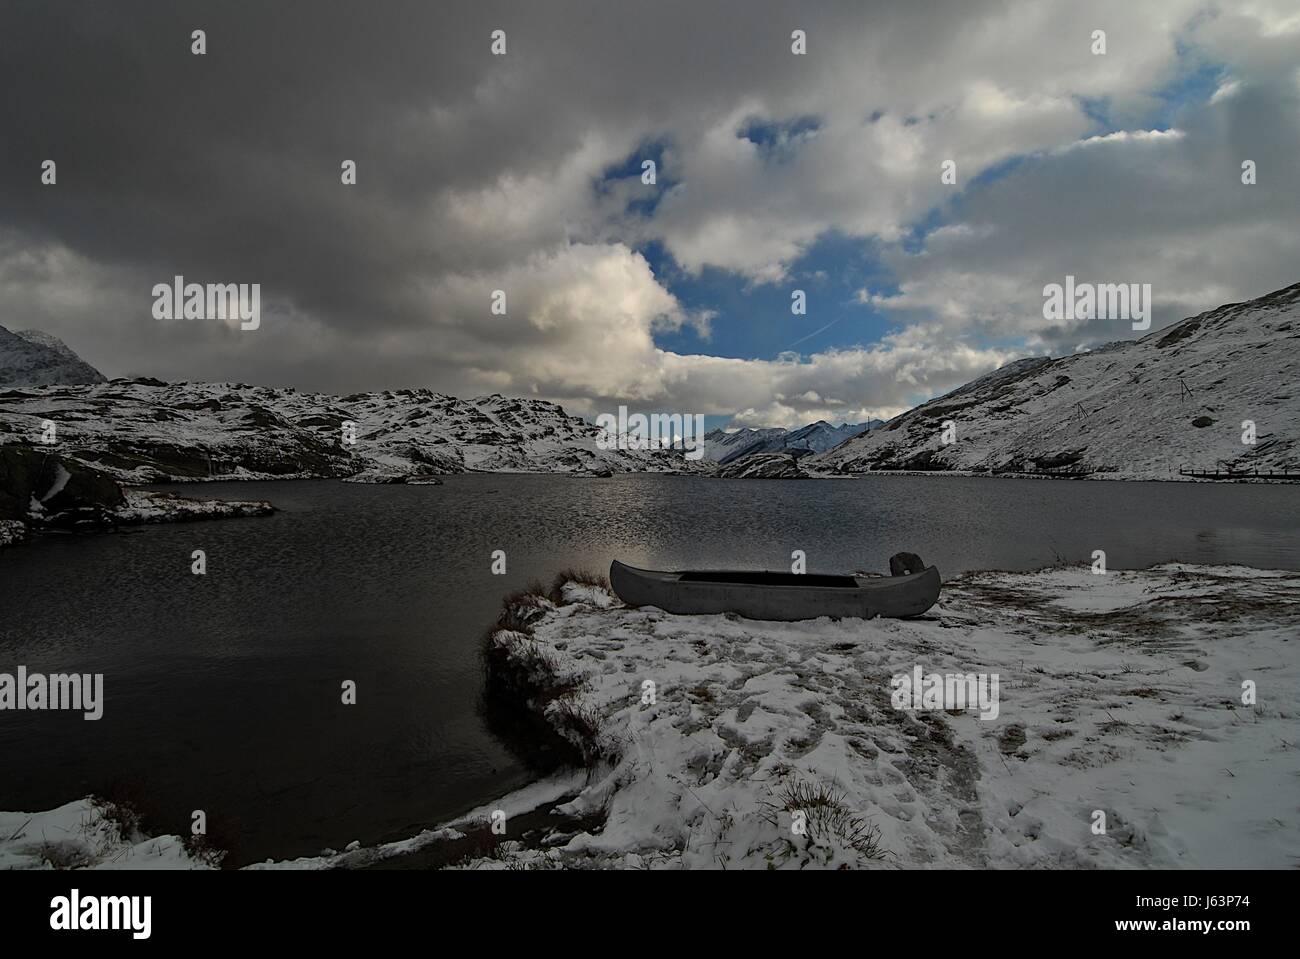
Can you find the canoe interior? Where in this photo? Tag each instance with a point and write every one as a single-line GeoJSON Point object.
{"type": "Point", "coordinates": [760, 578]}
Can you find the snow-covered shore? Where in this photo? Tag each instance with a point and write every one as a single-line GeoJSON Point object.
{"type": "Point", "coordinates": [143, 506]}
{"type": "Point", "coordinates": [86, 835]}
{"type": "Point", "coordinates": [43, 491]}
{"type": "Point", "coordinates": [1119, 694]}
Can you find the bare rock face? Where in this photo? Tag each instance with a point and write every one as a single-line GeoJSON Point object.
{"type": "Point", "coordinates": [763, 466]}
{"type": "Point", "coordinates": [45, 489]}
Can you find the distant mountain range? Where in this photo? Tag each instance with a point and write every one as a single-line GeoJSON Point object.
{"type": "Point", "coordinates": [1189, 395]}
{"type": "Point", "coordinates": [1183, 396]}
{"type": "Point", "coordinates": [818, 437]}
{"type": "Point", "coordinates": [33, 358]}
{"type": "Point", "coordinates": [144, 430]}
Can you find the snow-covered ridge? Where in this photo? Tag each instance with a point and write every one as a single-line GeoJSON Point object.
{"type": "Point", "coordinates": [35, 358]}
{"type": "Point", "coordinates": [762, 466]}
{"type": "Point", "coordinates": [144, 430]}
{"type": "Point", "coordinates": [1176, 398]}
{"type": "Point", "coordinates": [818, 437]}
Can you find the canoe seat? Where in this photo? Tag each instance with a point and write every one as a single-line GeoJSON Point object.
{"type": "Point", "coordinates": [761, 578]}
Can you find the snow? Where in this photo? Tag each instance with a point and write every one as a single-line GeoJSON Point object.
{"type": "Point", "coordinates": [34, 358]}
{"type": "Point", "coordinates": [147, 507]}
{"type": "Point", "coordinates": [724, 447]}
{"type": "Point", "coordinates": [12, 531]}
{"type": "Point", "coordinates": [1128, 410]}
{"type": "Point", "coordinates": [1120, 692]}
{"type": "Point", "coordinates": [144, 431]}
{"type": "Point", "coordinates": [527, 799]}
{"type": "Point", "coordinates": [78, 836]}
{"type": "Point", "coordinates": [762, 466]}
{"type": "Point", "coordinates": [61, 477]}
{"type": "Point", "coordinates": [142, 506]}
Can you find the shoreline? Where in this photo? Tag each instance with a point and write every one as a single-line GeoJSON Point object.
{"type": "Point", "coordinates": [1119, 693]}
{"type": "Point", "coordinates": [720, 772]}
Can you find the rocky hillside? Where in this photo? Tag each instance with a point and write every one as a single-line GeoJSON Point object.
{"type": "Point", "coordinates": [144, 430]}
{"type": "Point", "coordinates": [722, 447]}
{"type": "Point", "coordinates": [40, 490]}
{"type": "Point", "coordinates": [1136, 409]}
{"type": "Point", "coordinates": [33, 358]}
{"type": "Point", "coordinates": [762, 466]}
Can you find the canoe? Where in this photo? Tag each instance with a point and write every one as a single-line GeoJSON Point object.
{"type": "Point", "coordinates": [778, 596]}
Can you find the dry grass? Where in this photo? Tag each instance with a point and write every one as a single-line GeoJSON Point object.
{"type": "Point", "coordinates": [582, 577]}
{"type": "Point", "coordinates": [523, 672]}
{"type": "Point", "coordinates": [827, 822]}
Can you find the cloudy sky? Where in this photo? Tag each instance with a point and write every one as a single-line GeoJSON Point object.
{"type": "Point", "coordinates": [522, 172]}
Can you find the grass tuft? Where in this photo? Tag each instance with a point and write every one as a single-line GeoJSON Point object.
{"type": "Point", "coordinates": [582, 577]}
{"type": "Point", "coordinates": [828, 822]}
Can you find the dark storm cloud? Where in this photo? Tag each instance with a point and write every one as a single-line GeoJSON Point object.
{"type": "Point", "coordinates": [227, 165]}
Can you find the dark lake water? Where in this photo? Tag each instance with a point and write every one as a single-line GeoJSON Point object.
{"type": "Point", "coordinates": [222, 692]}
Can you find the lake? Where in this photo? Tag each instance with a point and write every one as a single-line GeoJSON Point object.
{"type": "Point", "coordinates": [223, 692]}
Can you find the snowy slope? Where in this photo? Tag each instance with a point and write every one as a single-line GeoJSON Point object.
{"type": "Point", "coordinates": [761, 466]}
{"type": "Point", "coordinates": [1139, 409]}
{"type": "Point", "coordinates": [722, 447]}
{"type": "Point", "coordinates": [79, 835]}
{"type": "Point", "coordinates": [33, 358]}
{"type": "Point", "coordinates": [147, 431]}
{"type": "Point", "coordinates": [816, 437]}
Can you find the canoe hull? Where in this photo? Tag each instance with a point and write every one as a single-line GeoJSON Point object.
{"type": "Point", "coordinates": [781, 600]}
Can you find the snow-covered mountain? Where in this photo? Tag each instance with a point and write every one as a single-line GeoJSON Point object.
{"type": "Point", "coordinates": [723, 447]}
{"type": "Point", "coordinates": [1176, 398]}
{"type": "Point", "coordinates": [816, 437]}
{"type": "Point", "coordinates": [34, 358]}
{"type": "Point", "coordinates": [144, 430]}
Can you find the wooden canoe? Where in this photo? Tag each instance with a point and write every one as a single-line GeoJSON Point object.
{"type": "Point", "coordinates": [777, 596]}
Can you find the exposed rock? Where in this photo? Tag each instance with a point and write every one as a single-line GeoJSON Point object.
{"type": "Point", "coordinates": [144, 431]}
{"type": "Point", "coordinates": [763, 466]}
{"type": "Point", "coordinates": [12, 531]}
{"type": "Point", "coordinates": [42, 490]}
{"type": "Point", "coordinates": [39, 486]}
